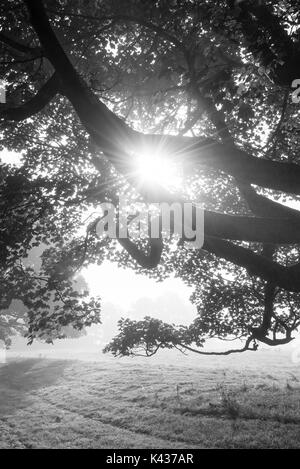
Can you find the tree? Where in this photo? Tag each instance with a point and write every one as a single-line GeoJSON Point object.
{"type": "Point", "coordinates": [91, 84]}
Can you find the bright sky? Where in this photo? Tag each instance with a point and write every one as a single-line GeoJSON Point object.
{"type": "Point", "coordinates": [123, 287]}
{"type": "Point", "coordinates": [10, 157]}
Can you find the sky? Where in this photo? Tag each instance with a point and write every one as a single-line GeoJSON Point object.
{"type": "Point", "coordinates": [123, 287]}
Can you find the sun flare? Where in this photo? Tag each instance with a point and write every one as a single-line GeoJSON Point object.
{"type": "Point", "coordinates": [155, 168]}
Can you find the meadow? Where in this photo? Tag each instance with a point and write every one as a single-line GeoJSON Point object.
{"type": "Point", "coordinates": [211, 403]}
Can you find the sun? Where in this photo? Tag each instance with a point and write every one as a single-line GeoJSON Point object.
{"type": "Point", "coordinates": [155, 168]}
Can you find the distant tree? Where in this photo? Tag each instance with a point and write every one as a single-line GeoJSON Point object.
{"type": "Point", "coordinates": [212, 86]}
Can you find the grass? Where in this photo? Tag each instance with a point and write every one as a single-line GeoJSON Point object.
{"type": "Point", "coordinates": [50, 403]}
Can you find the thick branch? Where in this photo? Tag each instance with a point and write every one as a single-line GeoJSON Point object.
{"type": "Point", "coordinates": [255, 264]}
{"type": "Point", "coordinates": [18, 46]}
{"type": "Point", "coordinates": [266, 230]}
{"type": "Point", "coordinates": [263, 207]}
{"type": "Point", "coordinates": [113, 135]}
{"type": "Point", "coordinates": [149, 261]}
{"type": "Point", "coordinates": [34, 105]}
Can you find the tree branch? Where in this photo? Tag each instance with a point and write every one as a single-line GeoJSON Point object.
{"type": "Point", "coordinates": [36, 104]}
{"type": "Point", "coordinates": [149, 261]}
{"type": "Point", "coordinates": [263, 207]}
{"type": "Point", "coordinates": [227, 352]}
{"type": "Point", "coordinates": [113, 135]}
{"type": "Point", "coordinates": [18, 46]}
{"type": "Point", "coordinates": [255, 264]}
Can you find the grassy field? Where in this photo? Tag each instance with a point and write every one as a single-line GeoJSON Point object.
{"type": "Point", "coordinates": [51, 403]}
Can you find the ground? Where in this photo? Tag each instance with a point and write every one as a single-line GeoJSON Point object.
{"type": "Point", "coordinates": [52, 403]}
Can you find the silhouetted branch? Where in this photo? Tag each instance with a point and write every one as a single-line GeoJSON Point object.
{"type": "Point", "coordinates": [34, 105]}
{"type": "Point", "coordinates": [227, 352]}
